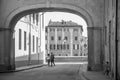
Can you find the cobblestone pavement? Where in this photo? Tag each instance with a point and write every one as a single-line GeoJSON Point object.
{"type": "Point", "coordinates": [59, 72]}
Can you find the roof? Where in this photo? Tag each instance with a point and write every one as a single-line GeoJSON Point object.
{"type": "Point", "coordinates": [63, 24]}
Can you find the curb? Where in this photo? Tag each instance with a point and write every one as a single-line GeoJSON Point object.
{"type": "Point", "coordinates": [31, 67]}
{"type": "Point", "coordinates": [23, 69]}
{"type": "Point", "coordinates": [84, 76]}
{"type": "Point", "coordinates": [88, 78]}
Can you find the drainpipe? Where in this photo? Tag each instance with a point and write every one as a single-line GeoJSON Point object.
{"type": "Point", "coordinates": [29, 56]}
{"type": "Point", "coordinates": [116, 62]}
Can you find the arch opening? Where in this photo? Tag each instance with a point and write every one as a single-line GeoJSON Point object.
{"type": "Point", "coordinates": [77, 53]}
{"type": "Point", "coordinates": [16, 16]}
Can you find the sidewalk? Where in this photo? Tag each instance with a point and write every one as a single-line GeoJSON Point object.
{"type": "Point", "coordinates": [39, 65]}
{"type": "Point", "coordinates": [24, 68]}
{"type": "Point", "coordinates": [28, 67]}
{"type": "Point", "coordinates": [95, 75]}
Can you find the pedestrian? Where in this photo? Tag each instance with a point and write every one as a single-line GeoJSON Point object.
{"type": "Point", "coordinates": [48, 59]}
{"type": "Point", "coordinates": [107, 68]}
{"type": "Point", "coordinates": [52, 59]}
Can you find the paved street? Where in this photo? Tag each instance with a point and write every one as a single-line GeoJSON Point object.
{"type": "Point", "coordinates": [59, 72]}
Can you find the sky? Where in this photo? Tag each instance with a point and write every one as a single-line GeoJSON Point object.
{"type": "Point", "coordinates": [59, 16]}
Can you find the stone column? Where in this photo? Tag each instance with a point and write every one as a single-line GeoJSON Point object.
{"type": "Point", "coordinates": [48, 39]}
{"type": "Point", "coordinates": [94, 48]}
{"type": "Point", "coordinates": [79, 37]}
{"type": "Point", "coordinates": [71, 42]}
{"type": "Point", "coordinates": [56, 38]}
{"type": "Point", "coordinates": [63, 51]}
{"type": "Point", "coordinates": [7, 52]}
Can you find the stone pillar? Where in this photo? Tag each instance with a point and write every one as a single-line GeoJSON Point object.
{"type": "Point", "coordinates": [94, 48]}
{"type": "Point", "coordinates": [7, 51]}
{"type": "Point", "coordinates": [79, 38]}
{"type": "Point", "coordinates": [63, 51]}
{"type": "Point", "coordinates": [71, 42]}
{"type": "Point", "coordinates": [56, 38]}
{"type": "Point", "coordinates": [48, 39]}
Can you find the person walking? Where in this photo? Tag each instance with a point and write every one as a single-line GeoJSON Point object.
{"type": "Point", "coordinates": [52, 59]}
{"type": "Point", "coordinates": [48, 59]}
{"type": "Point", "coordinates": [107, 68]}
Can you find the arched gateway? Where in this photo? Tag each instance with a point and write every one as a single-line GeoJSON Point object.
{"type": "Point", "coordinates": [7, 54]}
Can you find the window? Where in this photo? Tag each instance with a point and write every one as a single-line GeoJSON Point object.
{"type": "Point", "coordinates": [59, 38]}
{"type": "Point", "coordinates": [75, 29]}
{"type": "Point", "coordinates": [59, 29]}
{"type": "Point", "coordinates": [67, 46]}
{"type": "Point", "coordinates": [52, 29]}
{"type": "Point", "coordinates": [52, 38]}
{"type": "Point", "coordinates": [61, 46]}
{"type": "Point", "coordinates": [77, 46]}
{"type": "Point", "coordinates": [33, 43]}
{"type": "Point", "coordinates": [54, 46]}
{"type": "Point", "coordinates": [50, 46]}
{"type": "Point", "coordinates": [64, 46]}
{"type": "Point", "coordinates": [66, 38]}
{"type": "Point", "coordinates": [76, 38]}
{"type": "Point", "coordinates": [20, 38]}
{"type": "Point", "coordinates": [57, 46]}
{"type": "Point", "coordinates": [24, 40]}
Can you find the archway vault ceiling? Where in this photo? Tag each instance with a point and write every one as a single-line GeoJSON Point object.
{"type": "Point", "coordinates": [22, 11]}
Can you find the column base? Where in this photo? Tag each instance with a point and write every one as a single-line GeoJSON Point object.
{"type": "Point", "coordinates": [95, 67]}
{"type": "Point", "coordinates": [6, 68]}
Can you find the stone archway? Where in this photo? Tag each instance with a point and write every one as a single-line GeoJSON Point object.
{"type": "Point", "coordinates": [20, 12]}
{"type": "Point", "coordinates": [9, 61]}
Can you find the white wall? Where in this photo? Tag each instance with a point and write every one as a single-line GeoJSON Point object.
{"type": "Point", "coordinates": [24, 25]}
